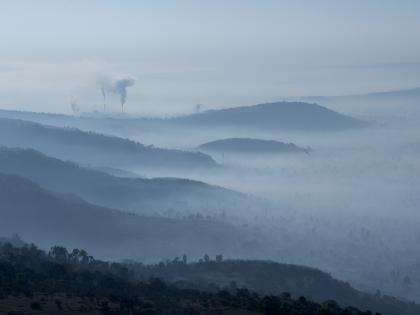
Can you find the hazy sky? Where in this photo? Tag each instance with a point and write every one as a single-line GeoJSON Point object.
{"type": "Point", "coordinates": [217, 53]}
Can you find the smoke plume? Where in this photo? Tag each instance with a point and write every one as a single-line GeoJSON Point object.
{"type": "Point", "coordinates": [117, 85]}
{"type": "Point", "coordinates": [73, 104]}
{"type": "Point", "coordinates": [103, 91]}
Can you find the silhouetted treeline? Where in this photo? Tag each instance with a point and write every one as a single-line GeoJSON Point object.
{"type": "Point", "coordinates": [26, 272]}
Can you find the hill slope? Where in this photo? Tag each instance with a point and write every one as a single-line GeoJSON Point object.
{"type": "Point", "coordinates": [62, 282]}
{"type": "Point", "coordinates": [281, 116]}
{"type": "Point", "coordinates": [140, 195]}
{"type": "Point", "coordinates": [247, 145]}
{"type": "Point", "coordinates": [271, 278]}
{"type": "Point", "coordinates": [97, 149]}
{"type": "Point", "coordinates": [49, 218]}
{"type": "Point", "coordinates": [28, 273]}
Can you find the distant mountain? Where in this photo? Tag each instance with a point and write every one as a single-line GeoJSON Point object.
{"type": "Point", "coordinates": [247, 145]}
{"type": "Point", "coordinates": [397, 98]}
{"type": "Point", "coordinates": [39, 117]}
{"type": "Point", "coordinates": [48, 218]}
{"type": "Point", "coordinates": [408, 94]}
{"type": "Point", "coordinates": [278, 116]}
{"type": "Point", "coordinates": [96, 149]}
{"type": "Point", "coordinates": [171, 196]}
{"type": "Point", "coordinates": [105, 124]}
{"type": "Point", "coordinates": [297, 116]}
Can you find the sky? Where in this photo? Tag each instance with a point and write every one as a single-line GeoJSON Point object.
{"type": "Point", "coordinates": [216, 53]}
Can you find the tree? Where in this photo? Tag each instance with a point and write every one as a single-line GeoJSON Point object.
{"type": "Point", "coordinates": [59, 254]}
{"type": "Point", "coordinates": [36, 306]}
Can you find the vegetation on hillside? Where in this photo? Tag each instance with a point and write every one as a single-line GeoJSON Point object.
{"type": "Point", "coordinates": [79, 284]}
{"type": "Point", "coordinates": [94, 148]}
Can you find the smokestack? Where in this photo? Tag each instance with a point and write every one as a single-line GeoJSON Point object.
{"type": "Point", "coordinates": [103, 91]}
{"type": "Point", "coordinates": [117, 86]}
{"type": "Point", "coordinates": [121, 88]}
{"type": "Point", "coordinates": [197, 108]}
{"type": "Point", "coordinates": [74, 106]}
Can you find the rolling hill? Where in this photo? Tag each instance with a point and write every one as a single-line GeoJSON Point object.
{"type": "Point", "coordinates": [251, 146]}
{"type": "Point", "coordinates": [271, 278]}
{"type": "Point", "coordinates": [168, 196]}
{"type": "Point", "coordinates": [297, 116]}
{"type": "Point", "coordinates": [292, 115]}
{"type": "Point", "coordinates": [96, 149]}
{"type": "Point", "coordinates": [48, 218]}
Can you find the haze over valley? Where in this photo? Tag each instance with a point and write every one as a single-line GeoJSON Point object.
{"type": "Point", "coordinates": [236, 168]}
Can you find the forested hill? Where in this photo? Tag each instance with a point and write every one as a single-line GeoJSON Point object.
{"type": "Point", "coordinates": [139, 195]}
{"type": "Point", "coordinates": [250, 145]}
{"type": "Point", "coordinates": [96, 149]}
{"type": "Point", "coordinates": [271, 278]}
{"type": "Point", "coordinates": [48, 218]}
{"type": "Point", "coordinates": [58, 282]}
{"type": "Point", "coordinates": [276, 116]}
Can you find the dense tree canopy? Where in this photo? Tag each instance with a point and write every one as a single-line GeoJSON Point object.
{"type": "Point", "coordinates": [27, 273]}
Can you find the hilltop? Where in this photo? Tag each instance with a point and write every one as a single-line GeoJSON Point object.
{"type": "Point", "coordinates": [293, 115]}
{"type": "Point", "coordinates": [275, 116]}
{"type": "Point", "coordinates": [249, 145]}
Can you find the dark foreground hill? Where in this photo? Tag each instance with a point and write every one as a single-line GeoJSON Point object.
{"type": "Point", "coordinates": [61, 282]}
{"type": "Point", "coordinates": [271, 278]}
{"type": "Point", "coordinates": [169, 196]}
{"type": "Point", "coordinates": [48, 218]}
{"type": "Point", "coordinates": [275, 116]}
{"type": "Point", "coordinates": [96, 149]}
{"type": "Point", "coordinates": [251, 146]}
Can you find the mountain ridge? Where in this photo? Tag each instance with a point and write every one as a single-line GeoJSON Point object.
{"type": "Point", "coordinates": [275, 116]}
{"type": "Point", "coordinates": [139, 195]}
{"type": "Point", "coordinates": [47, 217]}
{"type": "Point", "coordinates": [93, 148]}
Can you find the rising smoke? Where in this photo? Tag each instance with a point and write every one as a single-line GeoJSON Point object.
{"type": "Point", "coordinates": [74, 107]}
{"type": "Point", "coordinates": [116, 85]}
{"type": "Point", "coordinates": [103, 91]}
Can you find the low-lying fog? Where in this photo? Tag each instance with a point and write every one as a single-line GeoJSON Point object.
{"type": "Point", "coordinates": [350, 207]}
